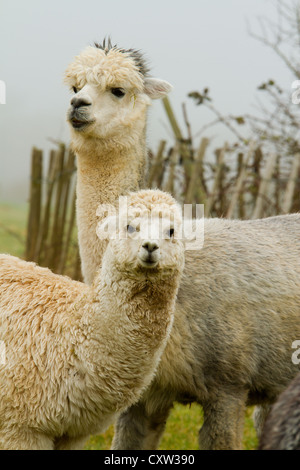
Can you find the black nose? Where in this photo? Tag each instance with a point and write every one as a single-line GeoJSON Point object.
{"type": "Point", "coordinates": [150, 246]}
{"type": "Point", "coordinates": [79, 102]}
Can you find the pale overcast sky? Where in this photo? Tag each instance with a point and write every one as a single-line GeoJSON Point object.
{"type": "Point", "coordinates": [191, 43]}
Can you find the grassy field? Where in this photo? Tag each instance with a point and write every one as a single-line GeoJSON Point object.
{"type": "Point", "coordinates": [184, 422]}
{"type": "Point", "coordinates": [181, 431]}
{"type": "Point", "coordinates": [13, 220]}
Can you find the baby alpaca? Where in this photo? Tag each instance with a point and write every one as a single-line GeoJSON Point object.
{"type": "Point", "coordinates": [78, 355]}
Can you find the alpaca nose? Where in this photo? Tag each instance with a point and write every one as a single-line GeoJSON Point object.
{"type": "Point", "coordinates": [79, 102]}
{"type": "Point", "coordinates": [150, 246]}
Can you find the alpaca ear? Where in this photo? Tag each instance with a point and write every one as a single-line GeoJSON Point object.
{"type": "Point", "coordinates": [156, 88]}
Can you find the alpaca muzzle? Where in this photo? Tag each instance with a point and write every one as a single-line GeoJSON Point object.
{"type": "Point", "coordinates": [149, 254]}
{"type": "Point", "coordinates": [78, 118]}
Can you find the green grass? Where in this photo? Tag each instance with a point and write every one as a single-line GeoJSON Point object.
{"type": "Point", "coordinates": [13, 219]}
{"type": "Point", "coordinates": [184, 422]}
{"type": "Point", "coordinates": [181, 431]}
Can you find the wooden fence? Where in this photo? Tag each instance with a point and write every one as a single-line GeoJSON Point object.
{"type": "Point", "coordinates": [51, 230]}
{"type": "Point", "coordinates": [230, 182]}
{"type": "Point", "coordinates": [237, 185]}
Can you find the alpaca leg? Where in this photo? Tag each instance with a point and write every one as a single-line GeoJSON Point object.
{"type": "Point", "coordinates": [259, 417]}
{"type": "Point", "coordinates": [130, 429]}
{"type": "Point", "coordinates": [70, 443]}
{"type": "Point", "coordinates": [156, 426]}
{"type": "Point", "coordinates": [24, 439]}
{"type": "Point", "coordinates": [223, 422]}
{"type": "Point", "coordinates": [137, 430]}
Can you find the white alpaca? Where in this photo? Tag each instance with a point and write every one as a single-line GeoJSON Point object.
{"type": "Point", "coordinates": [108, 112]}
{"type": "Point", "coordinates": [236, 318]}
{"type": "Point", "coordinates": [78, 355]}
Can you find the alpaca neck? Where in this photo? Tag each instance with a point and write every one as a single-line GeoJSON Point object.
{"type": "Point", "coordinates": [139, 297]}
{"type": "Point", "coordinates": [106, 170]}
{"type": "Point", "coordinates": [129, 331]}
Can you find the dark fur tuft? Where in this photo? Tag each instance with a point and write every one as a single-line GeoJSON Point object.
{"type": "Point", "coordinates": [106, 45]}
{"type": "Point", "coordinates": [137, 55]}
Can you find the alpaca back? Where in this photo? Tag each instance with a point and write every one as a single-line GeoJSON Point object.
{"type": "Point", "coordinates": [237, 311]}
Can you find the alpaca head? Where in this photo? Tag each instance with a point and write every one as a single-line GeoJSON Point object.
{"type": "Point", "coordinates": [145, 238]}
{"type": "Point", "coordinates": [111, 92]}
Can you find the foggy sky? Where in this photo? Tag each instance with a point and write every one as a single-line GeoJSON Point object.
{"type": "Point", "coordinates": [191, 44]}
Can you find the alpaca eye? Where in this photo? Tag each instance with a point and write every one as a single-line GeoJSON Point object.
{"type": "Point", "coordinates": [170, 233]}
{"type": "Point", "coordinates": [130, 229]}
{"type": "Point", "coordinates": [118, 92]}
{"type": "Point", "coordinates": [75, 89]}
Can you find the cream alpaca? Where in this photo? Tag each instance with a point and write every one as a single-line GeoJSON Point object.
{"type": "Point", "coordinates": [107, 118]}
{"type": "Point", "coordinates": [77, 355]}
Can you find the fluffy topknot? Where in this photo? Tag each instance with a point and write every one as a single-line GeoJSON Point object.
{"type": "Point", "coordinates": [156, 202]}
{"type": "Point", "coordinates": [108, 66]}
{"type": "Point", "coordinates": [136, 54]}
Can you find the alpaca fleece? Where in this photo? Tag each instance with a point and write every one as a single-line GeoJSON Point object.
{"type": "Point", "coordinates": [78, 355]}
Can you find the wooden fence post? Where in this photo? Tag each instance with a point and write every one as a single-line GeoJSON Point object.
{"type": "Point", "coordinates": [183, 145]}
{"type": "Point", "coordinates": [56, 229]}
{"type": "Point", "coordinates": [45, 220]}
{"type": "Point", "coordinates": [35, 202]}
{"type": "Point", "coordinates": [290, 189]}
{"type": "Point", "coordinates": [156, 167]}
{"type": "Point", "coordinates": [211, 198]}
{"type": "Point", "coordinates": [264, 186]}
{"type": "Point", "coordinates": [169, 187]}
{"type": "Point", "coordinates": [239, 184]}
{"type": "Point", "coordinates": [197, 175]}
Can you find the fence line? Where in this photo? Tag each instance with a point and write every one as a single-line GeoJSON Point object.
{"type": "Point", "coordinates": [51, 230]}
{"type": "Point", "coordinates": [242, 183]}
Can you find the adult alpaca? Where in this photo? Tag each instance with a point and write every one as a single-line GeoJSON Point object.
{"type": "Point", "coordinates": [78, 355]}
{"type": "Point", "coordinates": [112, 91]}
{"type": "Point", "coordinates": [236, 318]}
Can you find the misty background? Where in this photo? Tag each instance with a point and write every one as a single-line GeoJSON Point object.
{"type": "Point", "coordinates": [191, 44]}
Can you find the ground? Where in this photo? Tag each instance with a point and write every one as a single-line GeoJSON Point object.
{"type": "Point", "coordinates": [181, 431]}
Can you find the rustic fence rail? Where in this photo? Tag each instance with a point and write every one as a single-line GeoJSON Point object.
{"type": "Point", "coordinates": [51, 230]}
